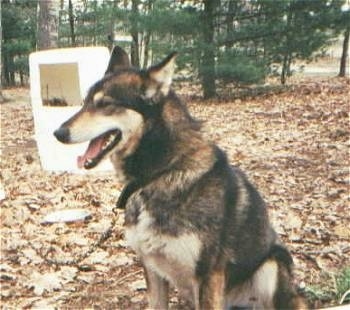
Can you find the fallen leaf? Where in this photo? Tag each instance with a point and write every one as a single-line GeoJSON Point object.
{"type": "Point", "coordinates": [68, 274]}
{"type": "Point", "coordinates": [97, 257]}
{"type": "Point", "coordinates": [44, 282]}
{"type": "Point", "coordinates": [342, 231]}
{"type": "Point", "coordinates": [32, 256]}
{"type": "Point", "coordinates": [138, 285]}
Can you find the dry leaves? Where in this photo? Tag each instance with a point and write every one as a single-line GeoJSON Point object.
{"type": "Point", "coordinates": [294, 146]}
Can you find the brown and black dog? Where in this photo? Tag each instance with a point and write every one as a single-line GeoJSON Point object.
{"type": "Point", "coordinates": [195, 222]}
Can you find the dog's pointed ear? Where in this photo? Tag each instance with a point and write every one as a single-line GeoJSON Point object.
{"type": "Point", "coordinates": [161, 76]}
{"type": "Point", "coordinates": [119, 60]}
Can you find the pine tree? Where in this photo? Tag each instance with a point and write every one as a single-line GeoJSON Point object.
{"type": "Point", "coordinates": [18, 39]}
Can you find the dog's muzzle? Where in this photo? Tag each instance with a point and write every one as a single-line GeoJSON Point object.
{"type": "Point", "coordinates": [62, 134]}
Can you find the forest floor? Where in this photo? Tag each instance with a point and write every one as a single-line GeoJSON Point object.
{"type": "Point", "coordinates": [294, 146]}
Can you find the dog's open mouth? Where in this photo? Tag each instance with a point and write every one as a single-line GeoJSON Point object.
{"type": "Point", "coordinates": [98, 148]}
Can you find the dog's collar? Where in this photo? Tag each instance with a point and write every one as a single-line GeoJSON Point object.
{"type": "Point", "coordinates": [127, 191]}
{"type": "Point", "coordinates": [135, 185]}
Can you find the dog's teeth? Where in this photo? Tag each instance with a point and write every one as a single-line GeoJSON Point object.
{"type": "Point", "coordinates": [109, 141]}
{"type": "Point", "coordinates": [111, 138]}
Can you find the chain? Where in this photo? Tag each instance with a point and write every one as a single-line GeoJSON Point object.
{"type": "Point", "coordinates": [76, 261]}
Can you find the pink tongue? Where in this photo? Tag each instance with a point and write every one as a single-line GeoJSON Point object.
{"type": "Point", "coordinates": [94, 148]}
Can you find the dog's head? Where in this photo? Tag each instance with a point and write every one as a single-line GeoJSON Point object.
{"type": "Point", "coordinates": [114, 111]}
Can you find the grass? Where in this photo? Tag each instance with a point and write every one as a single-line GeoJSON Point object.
{"type": "Point", "coordinates": [343, 286]}
{"type": "Point", "coordinates": [334, 287]}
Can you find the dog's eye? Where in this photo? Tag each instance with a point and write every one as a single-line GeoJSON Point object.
{"type": "Point", "coordinates": [104, 102]}
{"type": "Point", "coordinates": [101, 103]}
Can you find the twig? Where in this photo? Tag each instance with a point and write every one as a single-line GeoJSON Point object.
{"type": "Point", "coordinates": [344, 296]}
{"type": "Point", "coordinates": [122, 279]}
{"type": "Point", "coordinates": [309, 257]}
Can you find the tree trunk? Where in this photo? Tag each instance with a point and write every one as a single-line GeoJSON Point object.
{"type": "Point", "coordinates": [60, 12]}
{"type": "Point", "coordinates": [284, 69]}
{"type": "Point", "coordinates": [47, 36]}
{"type": "Point", "coordinates": [9, 75]}
{"type": "Point", "coordinates": [112, 26]}
{"type": "Point", "coordinates": [21, 77]}
{"type": "Point", "coordinates": [207, 66]}
{"type": "Point", "coordinates": [232, 10]}
{"type": "Point", "coordinates": [1, 62]}
{"type": "Point", "coordinates": [94, 38]}
{"type": "Point", "coordinates": [287, 57]}
{"type": "Point", "coordinates": [147, 38]}
{"type": "Point", "coordinates": [135, 55]}
{"type": "Point", "coordinates": [344, 55]}
{"type": "Point", "coordinates": [71, 22]}
{"type": "Point", "coordinates": [82, 23]}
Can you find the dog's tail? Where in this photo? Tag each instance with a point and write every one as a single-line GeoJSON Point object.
{"type": "Point", "coordinates": [286, 295]}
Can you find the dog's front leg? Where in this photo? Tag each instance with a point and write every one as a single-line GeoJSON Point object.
{"type": "Point", "coordinates": [212, 291]}
{"type": "Point", "coordinates": [157, 289]}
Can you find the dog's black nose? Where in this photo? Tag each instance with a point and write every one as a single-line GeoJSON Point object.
{"type": "Point", "coordinates": [62, 134]}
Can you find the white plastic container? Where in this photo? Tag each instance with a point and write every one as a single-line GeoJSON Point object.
{"type": "Point", "coordinates": [62, 75]}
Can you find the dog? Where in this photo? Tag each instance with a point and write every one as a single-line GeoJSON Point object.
{"type": "Point", "coordinates": [195, 222]}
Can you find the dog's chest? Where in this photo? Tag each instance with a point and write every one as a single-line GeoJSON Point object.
{"type": "Point", "coordinates": [173, 257]}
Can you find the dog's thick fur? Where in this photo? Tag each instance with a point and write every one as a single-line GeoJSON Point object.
{"type": "Point", "coordinates": [195, 222]}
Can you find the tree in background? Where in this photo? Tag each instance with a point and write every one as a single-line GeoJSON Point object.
{"type": "Point", "coordinates": [71, 22]}
{"type": "Point", "coordinates": [240, 51]}
{"type": "Point", "coordinates": [302, 31]}
{"type": "Point", "coordinates": [47, 35]}
{"type": "Point", "coordinates": [135, 54]}
{"type": "Point", "coordinates": [342, 23]}
{"type": "Point", "coordinates": [207, 63]}
{"type": "Point", "coordinates": [1, 96]}
{"type": "Point", "coordinates": [345, 52]}
{"type": "Point", "coordinates": [220, 41]}
{"type": "Point", "coordinates": [269, 36]}
{"type": "Point", "coordinates": [18, 39]}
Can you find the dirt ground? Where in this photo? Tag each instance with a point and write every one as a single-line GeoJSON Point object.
{"type": "Point", "coordinates": [294, 146]}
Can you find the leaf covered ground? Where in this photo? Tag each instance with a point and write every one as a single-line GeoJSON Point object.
{"type": "Point", "coordinates": [294, 146]}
